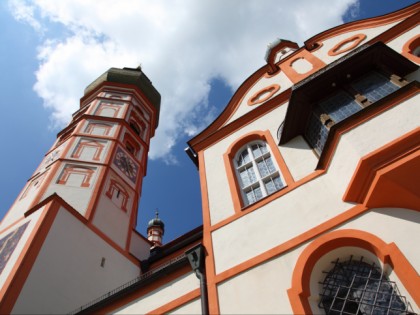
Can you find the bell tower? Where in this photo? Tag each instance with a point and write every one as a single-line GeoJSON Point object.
{"type": "Point", "coordinates": [98, 161]}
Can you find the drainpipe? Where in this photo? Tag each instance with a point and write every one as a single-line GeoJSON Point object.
{"type": "Point", "coordinates": [196, 258]}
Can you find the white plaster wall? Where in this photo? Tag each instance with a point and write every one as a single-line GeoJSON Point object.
{"type": "Point", "coordinates": [293, 212]}
{"type": "Point", "coordinates": [50, 158]}
{"type": "Point", "coordinates": [77, 197]}
{"type": "Point", "coordinates": [193, 307]}
{"type": "Point", "coordinates": [279, 78]}
{"type": "Point", "coordinates": [260, 290]}
{"type": "Point", "coordinates": [20, 206]}
{"type": "Point", "coordinates": [109, 112]}
{"type": "Point", "coordinates": [329, 43]}
{"type": "Point", "coordinates": [276, 223]}
{"type": "Point", "coordinates": [370, 136]}
{"type": "Point", "coordinates": [139, 247]}
{"type": "Point", "coordinates": [67, 272]}
{"type": "Point", "coordinates": [220, 199]}
{"type": "Point", "coordinates": [163, 295]}
{"type": "Point", "coordinates": [33, 218]}
{"type": "Point", "coordinates": [88, 153]}
{"type": "Point", "coordinates": [398, 43]}
{"type": "Point", "coordinates": [111, 220]}
{"type": "Point", "coordinates": [111, 131]}
{"type": "Point", "coordinates": [401, 226]}
{"type": "Point", "coordinates": [296, 150]}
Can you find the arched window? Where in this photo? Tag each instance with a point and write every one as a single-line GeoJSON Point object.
{"type": "Point", "coordinates": [257, 174]}
{"type": "Point", "coordinates": [118, 195]}
{"type": "Point", "coordinates": [357, 287]}
{"type": "Point", "coordinates": [135, 127]}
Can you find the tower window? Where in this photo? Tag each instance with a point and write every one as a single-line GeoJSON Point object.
{"type": "Point", "coordinates": [135, 128]}
{"type": "Point", "coordinates": [257, 174]}
{"type": "Point", "coordinates": [118, 195]}
{"type": "Point", "coordinates": [356, 287]}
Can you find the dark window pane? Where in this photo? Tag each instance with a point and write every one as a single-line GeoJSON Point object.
{"type": "Point", "coordinates": [339, 106]}
{"type": "Point", "coordinates": [316, 133]}
{"type": "Point", "coordinates": [374, 86]}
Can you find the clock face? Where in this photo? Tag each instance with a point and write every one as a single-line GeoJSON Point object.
{"type": "Point", "coordinates": [126, 164]}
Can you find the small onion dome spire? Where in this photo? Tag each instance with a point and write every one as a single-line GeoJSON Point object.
{"type": "Point", "coordinates": [155, 230]}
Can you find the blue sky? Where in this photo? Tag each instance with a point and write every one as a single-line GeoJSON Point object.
{"type": "Point", "coordinates": [195, 52]}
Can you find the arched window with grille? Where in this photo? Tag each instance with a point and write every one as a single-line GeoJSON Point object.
{"type": "Point", "coordinates": [354, 286]}
{"type": "Point", "coordinates": [258, 175]}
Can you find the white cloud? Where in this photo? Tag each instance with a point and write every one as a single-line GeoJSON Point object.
{"type": "Point", "coordinates": [182, 46]}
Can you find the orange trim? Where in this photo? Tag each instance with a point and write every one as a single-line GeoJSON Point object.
{"type": "Point", "coordinates": [292, 243]}
{"type": "Point", "coordinates": [20, 272]}
{"type": "Point", "coordinates": [257, 205]}
{"type": "Point", "coordinates": [292, 74]}
{"type": "Point", "coordinates": [65, 175]}
{"type": "Point", "coordinates": [95, 230]}
{"type": "Point", "coordinates": [93, 125]}
{"type": "Point", "coordinates": [139, 97]}
{"type": "Point", "coordinates": [88, 143]}
{"type": "Point", "coordinates": [230, 109]}
{"type": "Point", "coordinates": [370, 112]}
{"type": "Point", "coordinates": [410, 14]}
{"type": "Point", "coordinates": [280, 46]}
{"type": "Point", "coordinates": [355, 41]}
{"type": "Point", "coordinates": [263, 95]}
{"type": "Point", "coordinates": [213, 297]}
{"type": "Point", "coordinates": [363, 24]}
{"type": "Point", "coordinates": [32, 185]}
{"type": "Point", "coordinates": [409, 47]}
{"type": "Point", "coordinates": [116, 107]}
{"type": "Point", "coordinates": [11, 225]}
{"type": "Point", "coordinates": [402, 27]}
{"type": "Point", "coordinates": [387, 253]}
{"type": "Point", "coordinates": [115, 186]}
{"type": "Point", "coordinates": [387, 155]}
{"type": "Point", "coordinates": [176, 303]}
{"type": "Point", "coordinates": [200, 142]}
{"type": "Point", "coordinates": [228, 157]}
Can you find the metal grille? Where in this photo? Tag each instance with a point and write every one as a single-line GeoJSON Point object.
{"type": "Point", "coordinates": [356, 287]}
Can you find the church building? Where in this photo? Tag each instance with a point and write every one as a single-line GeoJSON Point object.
{"type": "Point", "coordinates": [310, 188]}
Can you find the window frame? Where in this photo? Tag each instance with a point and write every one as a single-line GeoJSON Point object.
{"type": "Point", "coordinates": [386, 253]}
{"type": "Point", "coordinates": [233, 180]}
{"type": "Point", "coordinates": [253, 162]}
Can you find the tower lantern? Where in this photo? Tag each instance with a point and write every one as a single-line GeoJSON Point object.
{"type": "Point", "coordinates": [155, 230]}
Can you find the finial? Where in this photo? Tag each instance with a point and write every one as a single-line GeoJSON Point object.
{"type": "Point", "coordinates": [157, 213]}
